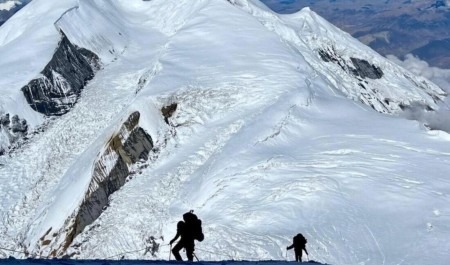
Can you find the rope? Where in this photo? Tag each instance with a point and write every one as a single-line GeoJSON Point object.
{"type": "Point", "coordinates": [193, 253]}
{"type": "Point", "coordinates": [12, 250]}
{"type": "Point", "coordinates": [133, 251]}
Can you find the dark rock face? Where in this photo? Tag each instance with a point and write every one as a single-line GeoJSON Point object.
{"type": "Point", "coordinates": [93, 206]}
{"type": "Point", "coordinates": [18, 125]}
{"type": "Point", "coordinates": [129, 146]}
{"type": "Point", "coordinates": [363, 72]}
{"type": "Point", "coordinates": [168, 111]}
{"type": "Point", "coordinates": [138, 145]}
{"type": "Point", "coordinates": [359, 68]}
{"type": "Point", "coordinates": [366, 70]}
{"type": "Point", "coordinates": [4, 120]}
{"type": "Point", "coordinates": [91, 58]}
{"type": "Point", "coordinates": [15, 130]}
{"type": "Point", "coordinates": [63, 78]}
{"type": "Point", "coordinates": [325, 56]}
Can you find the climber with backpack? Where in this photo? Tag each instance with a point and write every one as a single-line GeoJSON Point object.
{"type": "Point", "coordinates": [298, 245]}
{"type": "Point", "coordinates": [189, 230]}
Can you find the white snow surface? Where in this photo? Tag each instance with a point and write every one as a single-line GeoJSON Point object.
{"type": "Point", "coordinates": [266, 141]}
{"type": "Point", "coordinates": [143, 262]}
{"type": "Point", "coordinates": [32, 27]}
{"type": "Point", "coordinates": [98, 28]}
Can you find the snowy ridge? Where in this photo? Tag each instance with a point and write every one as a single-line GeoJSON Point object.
{"type": "Point", "coordinates": [31, 25]}
{"type": "Point", "coordinates": [262, 142]}
{"type": "Point", "coordinates": [305, 31]}
{"type": "Point", "coordinates": [83, 179]}
{"type": "Point", "coordinates": [96, 26]}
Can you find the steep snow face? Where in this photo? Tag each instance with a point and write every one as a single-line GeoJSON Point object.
{"type": "Point", "coordinates": [31, 26]}
{"type": "Point", "coordinates": [63, 78]}
{"type": "Point", "coordinates": [96, 26]}
{"type": "Point", "coordinates": [263, 143]}
{"type": "Point", "coordinates": [380, 84]}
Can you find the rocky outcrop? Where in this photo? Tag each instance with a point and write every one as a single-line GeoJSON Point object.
{"type": "Point", "coordinates": [369, 83]}
{"type": "Point", "coordinates": [12, 129]}
{"type": "Point", "coordinates": [62, 80]}
{"type": "Point", "coordinates": [167, 111]}
{"type": "Point", "coordinates": [358, 68]}
{"type": "Point", "coordinates": [129, 146]}
{"type": "Point", "coordinates": [364, 69]}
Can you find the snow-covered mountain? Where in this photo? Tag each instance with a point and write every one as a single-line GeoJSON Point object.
{"type": "Point", "coordinates": [389, 27]}
{"type": "Point", "coordinates": [119, 116]}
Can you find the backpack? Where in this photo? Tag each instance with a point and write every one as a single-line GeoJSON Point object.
{"type": "Point", "coordinates": [299, 239]}
{"type": "Point", "coordinates": [194, 225]}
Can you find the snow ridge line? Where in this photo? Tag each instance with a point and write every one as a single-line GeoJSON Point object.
{"type": "Point", "coordinates": [60, 148]}
{"type": "Point", "coordinates": [63, 14]}
{"type": "Point", "coordinates": [356, 88]}
{"type": "Point", "coordinates": [167, 183]}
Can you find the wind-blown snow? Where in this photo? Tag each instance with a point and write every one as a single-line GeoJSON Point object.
{"type": "Point", "coordinates": [266, 141]}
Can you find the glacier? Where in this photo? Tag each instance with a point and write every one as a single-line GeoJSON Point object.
{"type": "Point", "coordinates": [266, 125]}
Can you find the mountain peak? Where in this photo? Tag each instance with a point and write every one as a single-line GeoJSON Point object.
{"type": "Point", "coordinates": [123, 115]}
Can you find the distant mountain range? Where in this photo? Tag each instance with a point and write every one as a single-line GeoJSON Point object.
{"type": "Point", "coordinates": [119, 116]}
{"type": "Point", "coordinates": [390, 27]}
{"type": "Point", "coordinates": [9, 7]}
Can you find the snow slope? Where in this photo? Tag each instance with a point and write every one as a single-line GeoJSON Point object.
{"type": "Point", "coordinates": [267, 140]}
{"type": "Point", "coordinates": [33, 25]}
{"type": "Point", "coordinates": [137, 262]}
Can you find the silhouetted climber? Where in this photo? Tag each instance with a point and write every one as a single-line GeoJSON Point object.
{"type": "Point", "coordinates": [298, 245]}
{"type": "Point", "coordinates": [189, 230]}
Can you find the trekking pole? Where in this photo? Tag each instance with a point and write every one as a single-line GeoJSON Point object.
{"type": "Point", "coordinates": [286, 255]}
{"type": "Point", "coordinates": [170, 252]}
{"type": "Point", "coordinates": [195, 256]}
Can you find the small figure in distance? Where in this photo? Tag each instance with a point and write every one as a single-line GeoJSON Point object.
{"type": "Point", "coordinates": [189, 230]}
{"type": "Point", "coordinates": [299, 245]}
